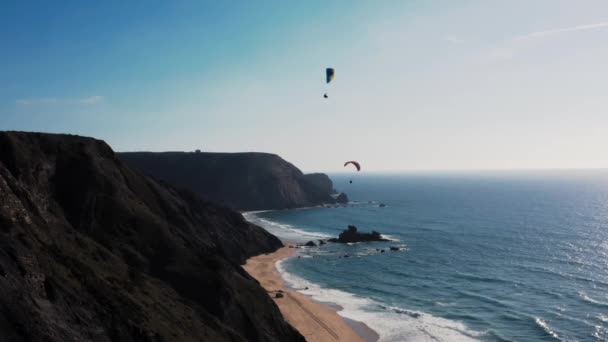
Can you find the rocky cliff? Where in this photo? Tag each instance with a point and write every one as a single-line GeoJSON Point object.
{"type": "Point", "coordinates": [243, 181]}
{"type": "Point", "coordinates": [91, 250]}
{"type": "Point", "coordinates": [318, 186]}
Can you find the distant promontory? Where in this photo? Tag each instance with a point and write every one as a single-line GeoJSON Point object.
{"type": "Point", "coordinates": [242, 181]}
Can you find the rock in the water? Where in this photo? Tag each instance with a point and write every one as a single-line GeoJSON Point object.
{"type": "Point", "coordinates": [382, 251]}
{"type": "Point", "coordinates": [321, 242]}
{"type": "Point", "coordinates": [394, 249]}
{"type": "Point", "coordinates": [347, 256]}
{"type": "Point", "coordinates": [352, 235]}
{"type": "Point", "coordinates": [382, 205]}
{"type": "Point", "coordinates": [342, 198]}
{"type": "Point", "coordinates": [310, 244]}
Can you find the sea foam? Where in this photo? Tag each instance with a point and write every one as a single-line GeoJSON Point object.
{"type": "Point", "coordinates": [282, 230]}
{"type": "Point", "coordinates": [390, 322]}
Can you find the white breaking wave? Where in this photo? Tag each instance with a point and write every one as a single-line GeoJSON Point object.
{"type": "Point", "coordinates": [443, 304]}
{"type": "Point", "coordinates": [282, 230]}
{"type": "Point", "coordinates": [586, 298]}
{"type": "Point", "coordinates": [391, 323]}
{"type": "Point", "coordinates": [289, 232]}
{"type": "Point", "coordinates": [254, 212]}
{"type": "Point", "coordinates": [540, 322]}
{"type": "Point", "coordinates": [600, 333]}
{"type": "Point", "coordinates": [390, 237]}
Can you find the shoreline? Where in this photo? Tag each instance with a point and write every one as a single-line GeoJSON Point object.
{"type": "Point", "coordinates": [316, 321]}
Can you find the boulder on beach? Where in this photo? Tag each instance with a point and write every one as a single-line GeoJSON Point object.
{"type": "Point", "coordinates": [310, 244]}
{"type": "Point", "coordinates": [279, 295]}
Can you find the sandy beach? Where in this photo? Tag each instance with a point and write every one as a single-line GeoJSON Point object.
{"type": "Point", "coordinates": [317, 322]}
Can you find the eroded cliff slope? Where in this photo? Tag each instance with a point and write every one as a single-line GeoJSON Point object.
{"type": "Point", "coordinates": [91, 250]}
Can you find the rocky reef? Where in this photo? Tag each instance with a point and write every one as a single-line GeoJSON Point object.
{"type": "Point", "coordinates": [92, 250]}
{"type": "Point", "coordinates": [351, 235]}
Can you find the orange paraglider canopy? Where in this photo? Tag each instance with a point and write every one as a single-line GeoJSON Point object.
{"type": "Point", "coordinates": [356, 164]}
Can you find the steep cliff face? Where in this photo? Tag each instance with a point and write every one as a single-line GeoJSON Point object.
{"type": "Point", "coordinates": [317, 186]}
{"type": "Point", "coordinates": [91, 250]}
{"type": "Point", "coordinates": [243, 181]}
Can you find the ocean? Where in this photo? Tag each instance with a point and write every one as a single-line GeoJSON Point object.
{"type": "Point", "coordinates": [486, 256]}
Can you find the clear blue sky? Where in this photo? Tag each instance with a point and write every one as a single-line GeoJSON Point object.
{"type": "Point", "coordinates": [419, 84]}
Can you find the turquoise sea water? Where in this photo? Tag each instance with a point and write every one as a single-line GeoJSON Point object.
{"type": "Point", "coordinates": [513, 256]}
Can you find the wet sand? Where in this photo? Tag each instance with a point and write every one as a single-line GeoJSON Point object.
{"type": "Point", "coordinates": [317, 322]}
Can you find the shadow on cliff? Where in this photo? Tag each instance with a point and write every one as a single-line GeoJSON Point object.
{"type": "Point", "coordinates": [242, 181]}
{"type": "Point", "coordinates": [92, 250]}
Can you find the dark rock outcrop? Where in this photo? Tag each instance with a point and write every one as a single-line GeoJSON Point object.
{"type": "Point", "coordinates": [310, 244]}
{"type": "Point", "coordinates": [91, 250]}
{"type": "Point", "coordinates": [242, 181]}
{"type": "Point", "coordinates": [342, 198]}
{"type": "Point", "coordinates": [318, 187]}
{"type": "Point", "coordinates": [352, 235]}
{"type": "Point", "coordinates": [395, 249]}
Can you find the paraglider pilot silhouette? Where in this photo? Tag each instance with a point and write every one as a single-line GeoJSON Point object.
{"type": "Point", "coordinates": [329, 76]}
{"type": "Point", "coordinates": [356, 164]}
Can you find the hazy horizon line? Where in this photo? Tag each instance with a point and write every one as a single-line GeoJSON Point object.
{"type": "Point", "coordinates": [422, 170]}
